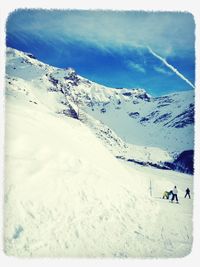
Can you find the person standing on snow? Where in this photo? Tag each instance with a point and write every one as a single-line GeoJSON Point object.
{"type": "Point", "coordinates": [187, 192]}
{"type": "Point", "coordinates": [175, 194]}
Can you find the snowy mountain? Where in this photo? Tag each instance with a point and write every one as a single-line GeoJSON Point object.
{"type": "Point", "coordinates": [131, 123]}
{"type": "Point", "coordinates": [65, 192]}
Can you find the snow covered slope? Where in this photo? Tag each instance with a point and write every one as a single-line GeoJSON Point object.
{"type": "Point", "coordinates": [132, 124]}
{"type": "Point", "coordinates": [65, 193]}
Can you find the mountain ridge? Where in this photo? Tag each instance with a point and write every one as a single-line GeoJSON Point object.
{"type": "Point", "coordinates": [128, 121]}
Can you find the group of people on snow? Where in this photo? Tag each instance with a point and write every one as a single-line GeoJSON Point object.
{"type": "Point", "coordinates": [173, 194]}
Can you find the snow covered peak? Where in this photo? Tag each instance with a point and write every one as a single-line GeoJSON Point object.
{"type": "Point", "coordinates": [14, 54]}
{"type": "Point", "coordinates": [133, 115]}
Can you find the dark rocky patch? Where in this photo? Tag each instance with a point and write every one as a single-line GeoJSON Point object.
{"type": "Point", "coordinates": [163, 100]}
{"type": "Point", "coordinates": [183, 119]}
{"type": "Point", "coordinates": [33, 102]}
{"type": "Point", "coordinates": [144, 120]}
{"type": "Point", "coordinates": [163, 117]}
{"type": "Point", "coordinates": [53, 89]}
{"type": "Point", "coordinates": [153, 114]}
{"type": "Point", "coordinates": [127, 94]}
{"type": "Point", "coordinates": [103, 110]}
{"type": "Point", "coordinates": [183, 163]}
{"type": "Point", "coordinates": [163, 105]}
{"type": "Point", "coordinates": [53, 80]}
{"type": "Point", "coordinates": [144, 97]}
{"type": "Point", "coordinates": [134, 115]}
{"type": "Point", "coordinates": [155, 165]}
{"type": "Point", "coordinates": [71, 112]}
{"type": "Point", "coordinates": [149, 116]}
{"type": "Point", "coordinates": [31, 56]}
{"type": "Point", "coordinates": [121, 157]}
{"type": "Point", "coordinates": [26, 61]}
{"type": "Point", "coordinates": [138, 162]}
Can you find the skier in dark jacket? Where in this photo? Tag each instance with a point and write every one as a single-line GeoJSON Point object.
{"type": "Point", "coordinates": [187, 192]}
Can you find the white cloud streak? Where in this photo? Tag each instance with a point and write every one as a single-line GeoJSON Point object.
{"type": "Point", "coordinates": [171, 67]}
{"type": "Point", "coordinates": [135, 66]}
{"type": "Point", "coordinates": [163, 71]}
{"type": "Point", "coordinates": [167, 32]}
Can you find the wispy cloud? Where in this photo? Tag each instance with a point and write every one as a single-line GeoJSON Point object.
{"type": "Point", "coordinates": [135, 66]}
{"type": "Point", "coordinates": [162, 71]}
{"type": "Point", "coordinates": [171, 67]}
{"type": "Point", "coordinates": [81, 38]}
{"type": "Point", "coordinates": [166, 32]}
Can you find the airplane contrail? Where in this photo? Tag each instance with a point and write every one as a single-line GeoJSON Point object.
{"type": "Point", "coordinates": [170, 67]}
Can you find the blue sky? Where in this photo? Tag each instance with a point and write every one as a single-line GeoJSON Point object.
{"type": "Point", "coordinates": [150, 50]}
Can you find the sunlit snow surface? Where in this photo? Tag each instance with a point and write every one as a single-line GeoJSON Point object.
{"type": "Point", "coordinates": [66, 194]}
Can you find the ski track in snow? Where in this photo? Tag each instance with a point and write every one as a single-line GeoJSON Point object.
{"type": "Point", "coordinates": [174, 221]}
